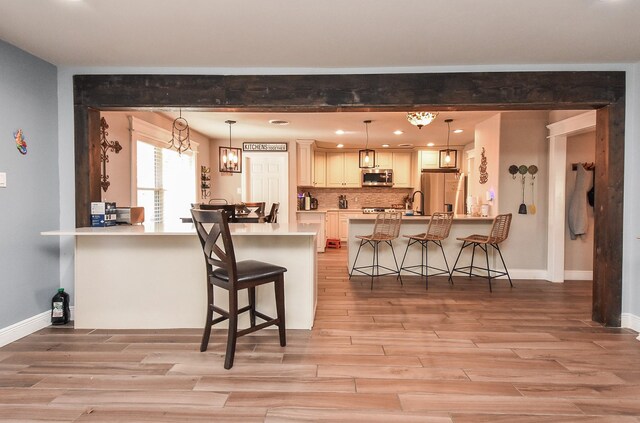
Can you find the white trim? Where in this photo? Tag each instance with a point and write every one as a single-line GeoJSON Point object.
{"type": "Point", "coordinates": [556, 228]}
{"type": "Point", "coordinates": [26, 327]}
{"type": "Point", "coordinates": [578, 275]}
{"type": "Point", "coordinates": [538, 274]}
{"type": "Point", "coordinates": [631, 321]}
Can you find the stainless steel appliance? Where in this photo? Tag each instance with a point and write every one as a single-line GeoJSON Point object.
{"type": "Point", "coordinates": [371, 210]}
{"type": "Point", "coordinates": [443, 191]}
{"type": "Point", "coordinates": [377, 177]}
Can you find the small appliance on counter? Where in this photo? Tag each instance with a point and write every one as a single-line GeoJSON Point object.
{"type": "Point", "coordinates": [129, 215]}
{"type": "Point", "coordinates": [342, 202]}
{"type": "Point", "coordinates": [307, 202]}
{"type": "Point", "coordinates": [103, 214]}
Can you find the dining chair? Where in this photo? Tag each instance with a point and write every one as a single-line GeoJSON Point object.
{"type": "Point", "coordinates": [499, 233]}
{"type": "Point", "coordinates": [225, 272]}
{"type": "Point", "coordinates": [230, 209]}
{"type": "Point", "coordinates": [272, 217]}
{"type": "Point", "coordinates": [385, 230]}
{"type": "Point", "coordinates": [437, 231]}
{"type": "Point", "coordinates": [254, 207]}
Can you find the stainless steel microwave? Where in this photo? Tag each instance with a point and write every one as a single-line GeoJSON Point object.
{"type": "Point", "coordinates": [377, 177]}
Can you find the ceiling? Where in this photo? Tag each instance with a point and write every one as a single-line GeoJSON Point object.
{"type": "Point", "coordinates": [276, 34]}
{"type": "Point", "coordinates": [322, 128]}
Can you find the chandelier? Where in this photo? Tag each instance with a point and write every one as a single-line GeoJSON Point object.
{"type": "Point", "coordinates": [367, 158]}
{"type": "Point", "coordinates": [421, 119]}
{"type": "Point", "coordinates": [180, 137]}
{"type": "Point", "coordinates": [230, 157]}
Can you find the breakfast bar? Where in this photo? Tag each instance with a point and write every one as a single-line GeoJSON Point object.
{"type": "Point", "coordinates": [152, 276]}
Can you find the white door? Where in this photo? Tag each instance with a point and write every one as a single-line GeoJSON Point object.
{"type": "Point", "coordinates": [266, 179]}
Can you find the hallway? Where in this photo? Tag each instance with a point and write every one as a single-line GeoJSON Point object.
{"type": "Point", "coordinates": [395, 354]}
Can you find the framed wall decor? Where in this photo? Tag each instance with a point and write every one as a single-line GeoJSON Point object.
{"type": "Point", "coordinates": [452, 163]}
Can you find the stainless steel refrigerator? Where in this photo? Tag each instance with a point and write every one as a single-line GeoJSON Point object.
{"type": "Point", "coordinates": [443, 191]}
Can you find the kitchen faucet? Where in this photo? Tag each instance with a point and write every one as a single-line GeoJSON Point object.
{"type": "Point", "coordinates": [413, 196]}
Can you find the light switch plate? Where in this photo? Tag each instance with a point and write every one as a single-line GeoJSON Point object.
{"type": "Point", "coordinates": [3, 179]}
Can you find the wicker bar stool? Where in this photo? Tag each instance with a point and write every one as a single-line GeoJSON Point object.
{"type": "Point", "coordinates": [499, 232]}
{"type": "Point", "coordinates": [385, 230]}
{"type": "Point", "coordinates": [438, 230]}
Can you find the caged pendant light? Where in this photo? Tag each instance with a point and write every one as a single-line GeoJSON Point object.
{"type": "Point", "coordinates": [448, 157]}
{"type": "Point", "coordinates": [367, 157]}
{"type": "Point", "coordinates": [230, 157]}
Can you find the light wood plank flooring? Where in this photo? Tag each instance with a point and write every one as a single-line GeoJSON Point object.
{"type": "Point", "coordinates": [395, 354]}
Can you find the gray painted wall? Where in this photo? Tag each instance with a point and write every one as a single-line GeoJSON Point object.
{"type": "Point", "coordinates": [29, 262]}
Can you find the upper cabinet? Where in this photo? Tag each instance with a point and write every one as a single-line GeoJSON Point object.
{"type": "Point", "coordinates": [401, 165]}
{"type": "Point", "coordinates": [342, 170]}
{"type": "Point", "coordinates": [319, 169]}
{"type": "Point", "coordinates": [304, 152]}
{"type": "Point", "coordinates": [384, 159]}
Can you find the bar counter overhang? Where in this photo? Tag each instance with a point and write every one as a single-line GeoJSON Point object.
{"type": "Point", "coordinates": [153, 276]}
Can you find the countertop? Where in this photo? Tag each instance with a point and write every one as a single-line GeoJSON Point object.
{"type": "Point", "coordinates": [459, 218]}
{"type": "Point", "coordinates": [237, 229]}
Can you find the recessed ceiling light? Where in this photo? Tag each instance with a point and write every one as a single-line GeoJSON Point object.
{"type": "Point", "coordinates": [278, 122]}
{"type": "Point", "coordinates": [458, 131]}
{"type": "Point", "coordinates": [385, 145]}
{"type": "Point", "coordinates": [339, 132]}
{"type": "Point", "coordinates": [340, 145]}
{"type": "Point", "coordinates": [398, 132]}
{"type": "Point", "coordinates": [430, 144]}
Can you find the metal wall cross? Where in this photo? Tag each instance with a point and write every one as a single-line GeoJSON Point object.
{"type": "Point", "coordinates": [105, 146]}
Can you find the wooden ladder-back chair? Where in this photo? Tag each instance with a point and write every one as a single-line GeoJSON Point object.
{"type": "Point", "coordinates": [224, 272]}
{"type": "Point", "coordinates": [437, 231]}
{"type": "Point", "coordinates": [499, 233]}
{"type": "Point", "coordinates": [272, 217]}
{"type": "Point", "coordinates": [385, 230]}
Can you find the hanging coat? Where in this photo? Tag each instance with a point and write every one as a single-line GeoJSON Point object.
{"type": "Point", "coordinates": [578, 218]}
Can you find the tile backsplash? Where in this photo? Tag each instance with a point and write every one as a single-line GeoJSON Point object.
{"type": "Point", "coordinates": [357, 197]}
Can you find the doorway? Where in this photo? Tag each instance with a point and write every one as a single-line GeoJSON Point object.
{"type": "Point", "coordinates": [266, 179]}
{"type": "Point", "coordinates": [603, 91]}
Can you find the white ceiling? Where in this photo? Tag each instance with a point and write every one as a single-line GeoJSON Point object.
{"type": "Point", "coordinates": [322, 34]}
{"type": "Point", "coordinates": [321, 127]}
{"type": "Point", "coordinates": [245, 36]}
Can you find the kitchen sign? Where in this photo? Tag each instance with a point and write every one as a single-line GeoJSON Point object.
{"type": "Point", "coordinates": [264, 146]}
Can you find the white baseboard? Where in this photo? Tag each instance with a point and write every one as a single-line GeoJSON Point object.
{"type": "Point", "coordinates": [527, 274]}
{"type": "Point", "coordinates": [27, 327]}
{"type": "Point", "coordinates": [578, 275]}
{"type": "Point", "coordinates": [631, 321]}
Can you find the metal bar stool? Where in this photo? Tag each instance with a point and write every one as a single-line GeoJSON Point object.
{"type": "Point", "coordinates": [499, 232]}
{"type": "Point", "coordinates": [437, 231]}
{"type": "Point", "coordinates": [385, 230]}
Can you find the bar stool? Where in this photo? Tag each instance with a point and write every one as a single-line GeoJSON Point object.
{"type": "Point", "coordinates": [438, 230]}
{"type": "Point", "coordinates": [499, 232]}
{"type": "Point", "coordinates": [385, 230]}
{"type": "Point", "coordinates": [224, 272]}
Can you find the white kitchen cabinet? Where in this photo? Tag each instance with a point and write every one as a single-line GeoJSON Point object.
{"type": "Point", "coordinates": [315, 217]}
{"type": "Point", "coordinates": [384, 159]}
{"type": "Point", "coordinates": [332, 225]}
{"type": "Point", "coordinates": [343, 223]}
{"type": "Point", "coordinates": [319, 169]}
{"type": "Point", "coordinates": [428, 159]}
{"type": "Point", "coordinates": [304, 152]}
{"type": "Point", "coordinates": [343, 170]}
{"type": "Point", "coordinates": [402, 170]}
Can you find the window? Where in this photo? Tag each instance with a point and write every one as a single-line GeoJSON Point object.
{"type": "Point", "coordinates": [166, 182]}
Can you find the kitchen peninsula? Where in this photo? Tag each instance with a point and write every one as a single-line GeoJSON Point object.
{"type": "Point", "coordinates": [153, 276]}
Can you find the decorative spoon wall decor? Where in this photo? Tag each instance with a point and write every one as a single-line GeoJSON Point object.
{"type": "Point", "coordinates": [533, 169]}
{"type": "Point", "coordinates": [523, 169]}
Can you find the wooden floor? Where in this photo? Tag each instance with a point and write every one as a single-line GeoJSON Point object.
{"type": "Point", "coordinates": [395, 354]}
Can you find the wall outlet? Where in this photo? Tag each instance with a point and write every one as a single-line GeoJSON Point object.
{"type": "Point", "coordinates": [3, 179]}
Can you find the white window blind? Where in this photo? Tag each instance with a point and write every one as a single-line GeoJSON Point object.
{"type": "Point", "coordinates": [166, 182]}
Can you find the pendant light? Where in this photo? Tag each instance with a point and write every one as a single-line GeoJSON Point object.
{"type": "Point", "coordinates": [448, 157]}
{"type": "Point", "coordinates": [230, 158]}
{"type": "Point", "coordinates": [421, 119]}
{"type": "Point", "coordinates": [180, 136]}
{"type": "Point", "coordinates": [367, 158]}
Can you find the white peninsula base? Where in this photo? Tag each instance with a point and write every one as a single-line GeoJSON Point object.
{"type": "Point", "coordinates": [153, 277]}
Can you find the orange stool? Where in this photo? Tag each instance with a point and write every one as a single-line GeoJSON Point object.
{"type": "Point", "coordinates": [333, 243]}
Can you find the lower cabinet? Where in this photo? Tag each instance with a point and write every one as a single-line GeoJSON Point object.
{"type": "Point", "coordinates": [332, 225]}
{"type": "Point", "coordinates": [319, 218]}
{"type": "Point", "coordinates": [338, 223]}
